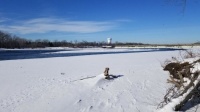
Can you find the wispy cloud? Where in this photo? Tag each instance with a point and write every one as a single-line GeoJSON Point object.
{"type": "Point", "coordinates": [45, 25]}
{"type": "Point", "coordinates": [3, 19]}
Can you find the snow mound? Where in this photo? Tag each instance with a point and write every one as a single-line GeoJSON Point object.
{"type": "Point", "coordinates": [98, 81]}
{"type": "Point", "coordinates": [95, 81]}
{"type": "Point", "coordinates": [102, 81]}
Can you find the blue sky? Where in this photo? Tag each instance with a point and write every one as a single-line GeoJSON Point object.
{"type": "Point", "coordinates": [146, 21]}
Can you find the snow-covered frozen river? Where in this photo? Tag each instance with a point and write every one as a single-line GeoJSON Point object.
{"type": "Point", "coordinates": [47, 53]}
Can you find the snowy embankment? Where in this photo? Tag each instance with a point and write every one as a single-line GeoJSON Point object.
{"type": "Point", "coordinates": [189, 102]}
{"type": "Point", "coordinates": [77, 84]}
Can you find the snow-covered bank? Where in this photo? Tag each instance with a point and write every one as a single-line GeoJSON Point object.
{"type": "Point", "coordinates": [183, 97]}
{"type": "Point", "coordinates": [76, 84]}
{"type": "Point", "coordinates": [152, 46]}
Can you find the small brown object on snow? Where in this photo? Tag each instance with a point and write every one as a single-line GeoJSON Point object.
{"type": "Point", "coordinates": [106, 73]}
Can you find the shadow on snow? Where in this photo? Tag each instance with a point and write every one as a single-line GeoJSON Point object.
{"type": "Point", "coordinates": [112, 77]}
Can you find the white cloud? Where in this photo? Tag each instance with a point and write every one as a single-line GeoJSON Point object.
{"type": "Point", "coordinates": [45, 25]}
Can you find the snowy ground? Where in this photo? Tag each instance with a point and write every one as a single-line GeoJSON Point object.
{"type": "Point", "coordinates": [76, 84]}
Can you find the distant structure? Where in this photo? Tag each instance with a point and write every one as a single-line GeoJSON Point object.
{"type": "Point", "coordinates": [109, 40]}
{"type": "Point", "coordinates": [109, 44]}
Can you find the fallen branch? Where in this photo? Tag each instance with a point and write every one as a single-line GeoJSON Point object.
{"type": "Point", "coordinates": [188, 97]}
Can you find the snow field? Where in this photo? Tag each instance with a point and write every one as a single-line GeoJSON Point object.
{"type": "Point", "coordinates": [54, 85]}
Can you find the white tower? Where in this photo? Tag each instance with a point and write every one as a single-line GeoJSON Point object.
{"type": "Point", "coordinates": [109, 40]}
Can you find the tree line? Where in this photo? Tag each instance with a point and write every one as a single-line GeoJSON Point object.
{"type": "Point", "coordinates": [8, 40]}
